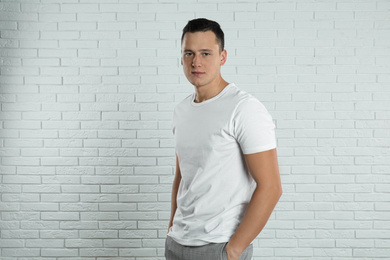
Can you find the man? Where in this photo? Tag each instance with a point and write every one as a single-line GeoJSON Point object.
{"type": "Point", "coordinates": [227, 180]}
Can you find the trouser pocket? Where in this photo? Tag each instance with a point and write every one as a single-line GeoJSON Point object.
{"type": "Point", "coordinates": [245, 255]}
{"type": "Point", "coordinates": [224, 253]}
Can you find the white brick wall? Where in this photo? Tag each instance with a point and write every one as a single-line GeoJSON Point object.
{"type": "Point", "coordinates": [87, 93]}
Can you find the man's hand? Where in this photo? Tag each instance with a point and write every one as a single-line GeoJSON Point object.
{"type": "Point", "coordinates": [231, 253]}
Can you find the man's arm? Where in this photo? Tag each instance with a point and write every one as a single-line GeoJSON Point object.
{"type": "Point", "coordinates": [175, 188]}
{"type": "Point", "coordinates": [263, 166]}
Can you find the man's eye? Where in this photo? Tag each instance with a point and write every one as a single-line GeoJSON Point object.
{"type": "Point", "coordinates": [188, 54]}
{"type": "Point", "coordinates": [206, 54]}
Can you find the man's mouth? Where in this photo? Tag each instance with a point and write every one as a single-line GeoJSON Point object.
{"type": "Point", "coordinates": [197, 73]}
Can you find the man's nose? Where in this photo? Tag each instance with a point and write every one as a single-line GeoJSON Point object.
{"type": "Point", "coordinates": [196, 61]}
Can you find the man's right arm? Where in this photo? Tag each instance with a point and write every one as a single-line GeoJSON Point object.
{"type": "Point", "coordinates": [175, 188]}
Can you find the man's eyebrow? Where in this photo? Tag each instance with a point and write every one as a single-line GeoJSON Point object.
{"type": "Point", "coordinates": [208, 50]}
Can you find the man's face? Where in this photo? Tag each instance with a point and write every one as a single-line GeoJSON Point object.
{"type": "Point", "coordinates": [201, 58]}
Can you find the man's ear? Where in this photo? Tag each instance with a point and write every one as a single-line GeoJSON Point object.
{"type": "Point", "coordinates": [223, 57]}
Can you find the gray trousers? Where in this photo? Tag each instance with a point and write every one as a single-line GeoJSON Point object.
{"type": "Point", "coordinates": [176, 251]}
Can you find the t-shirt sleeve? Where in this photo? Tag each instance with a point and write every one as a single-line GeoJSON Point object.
{"type": "Point", "coordinates": [173, 123]}
{"type": "Point", "coordinates": [253, 127]}
{"type": "Point", "coordinates": [173, 128]}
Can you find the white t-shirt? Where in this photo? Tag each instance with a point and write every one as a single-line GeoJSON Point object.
{"type": "Point", "coordinates": [216, 187]}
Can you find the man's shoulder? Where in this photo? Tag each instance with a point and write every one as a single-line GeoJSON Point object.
{"type": "Point", "coordinates": [185, 101]}
{"type": "Point", "coordinates": [243, 98]}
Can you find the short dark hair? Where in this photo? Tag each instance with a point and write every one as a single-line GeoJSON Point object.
{"type": "Point", "coordinates": [203, 25]}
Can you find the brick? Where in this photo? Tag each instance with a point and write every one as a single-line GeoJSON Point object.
{"type": "Point", "coordinates": [60, 197]}
{"type": "Point", "coordinates": [98, 234]}
{"type": "Point", "coordinates": [29, 252]}
{"type": "Point", "coordinates": [137, 234]}
{"type": "Point", "coordinates": [78, 225]}
{"type": "Point", "coordinates": [151, 224]}
{"type": "Point", "coordinates": [156, 8]}
{"type": "Point", "coordinates": [137, 197]}
{"type": "Point", "coordinates": [59, 252]}
{"type": "Point", "coordinates": [114, 207]}
{"type": "Point", "coordinates": [58, 234]}
{"type": "Point", "coordinates": [71, 80]}
{"type": "Point", "coordinates": [303, 252]}
{"type": "Point", "coordinates": [59, 161]}
{"type": "Point", "coordinates": [21, 179]}
{"type": "Point", "coordinates": [347, 224]}
{"type": "Point", "coordinates": [83, 243]}
{"type": "Point", "coordinates": [11, 242]}
{"type": "Point", "coordinates": [117, 152]}
{"type": "Point", "coordinates": [106, 217]}
{"type": "Point", "coordinates": [118, 8]}
{"type": "Point", "coordinates": [101, 252]}
{"type": "Point", "coordinates": [122, 243]}
{"type": "Point", "coordinates": [93, 17]}
{"type": "Point", "coordinates": [79, 207]}
{"type": "Point", "coordinates": [59, 215]}
{"type": "Point", "coordinates": [98, 197]}
{"type": "Point", "coordinates": [44, 243]}
{"type": "Point", "coordinates": [25, 197]}
{"type": "Point", "coordinates": [120, 225]}
{"type": "Point", "coordinates": [365, 252]}
{"type": "Point", "coordinates": [97, 161]}
{"type": "Point", "coordinates": [82, 8]}
{"type": "Point", "coordinates": [138, 251]}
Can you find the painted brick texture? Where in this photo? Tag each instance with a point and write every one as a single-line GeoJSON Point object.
{"type": "Point", "coordinates": [88, 89]}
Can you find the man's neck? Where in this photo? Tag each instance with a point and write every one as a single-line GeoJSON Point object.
{"type": "Point", "coordinates": [207, 92]}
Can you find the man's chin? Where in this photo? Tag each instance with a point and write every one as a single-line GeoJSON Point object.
{"type": "Point", "coordinates": [197, 83]}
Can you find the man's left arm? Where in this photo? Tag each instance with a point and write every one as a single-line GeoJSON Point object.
{"type": "Point", "coordinates": [264, 169]}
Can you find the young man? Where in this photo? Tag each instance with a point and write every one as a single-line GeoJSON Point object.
{"type": "Point", "coordinates": [227, 180]}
